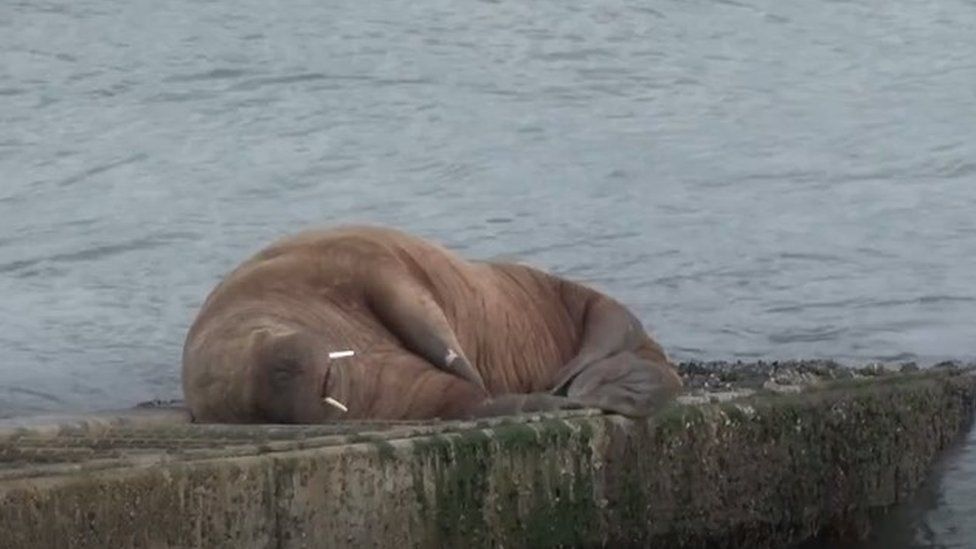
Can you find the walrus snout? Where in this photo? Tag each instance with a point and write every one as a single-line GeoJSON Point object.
{"type": "Point", "coordinates": [298, 378]}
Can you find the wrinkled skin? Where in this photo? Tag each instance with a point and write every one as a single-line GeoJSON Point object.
{"type": "Point", "coordinates": [434, 336]}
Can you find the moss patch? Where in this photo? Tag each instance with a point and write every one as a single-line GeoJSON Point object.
{"type": "Point", "coordinates": [528, 483]}
{"type": "Point", "coordinates": [384, 449]}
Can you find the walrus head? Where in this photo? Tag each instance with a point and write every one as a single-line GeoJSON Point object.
{"type": "Point", "coordinates": [296, 379]}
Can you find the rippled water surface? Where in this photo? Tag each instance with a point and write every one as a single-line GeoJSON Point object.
{"type": "Point", "coordinates": [756, 178]}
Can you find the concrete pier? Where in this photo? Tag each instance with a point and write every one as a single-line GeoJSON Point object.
{"type": "Point", "coordinates": [760, 466]}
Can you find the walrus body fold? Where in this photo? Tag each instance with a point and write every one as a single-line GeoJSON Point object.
{"type": "Point", "coordinates": [432, 336]}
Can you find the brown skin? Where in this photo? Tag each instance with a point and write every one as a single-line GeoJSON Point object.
{"type": "Point", "coordinates": [434, 336]}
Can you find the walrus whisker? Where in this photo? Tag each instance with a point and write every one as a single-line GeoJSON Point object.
{"type": "Point", "coordinates": [341, 354]}
{"type": "Point", "coordinates": [333, 402]}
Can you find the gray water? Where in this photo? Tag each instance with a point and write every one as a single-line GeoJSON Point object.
{"type": "Point", "coordinates": [755, 178]}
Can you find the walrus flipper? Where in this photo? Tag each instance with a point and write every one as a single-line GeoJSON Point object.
{"type": "Point", "coordinates": [624, 383]}
{"type": "Point", "coordinates": [409, 311]}
{"type": "Point", "coordinates": [608, 328]}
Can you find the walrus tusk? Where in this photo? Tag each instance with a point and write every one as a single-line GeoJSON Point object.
{"type": "Point", "coordinates": [333, 402]}
{"type": "Point", "coordinates": [329, 400]}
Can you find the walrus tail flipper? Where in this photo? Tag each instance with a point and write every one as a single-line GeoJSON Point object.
{"type": "Point", "coordinates": [409, 311]}
{"type": "Point", "coordinates": [608, 328]}
{"type": "Point", "coordinates": [625, 383]}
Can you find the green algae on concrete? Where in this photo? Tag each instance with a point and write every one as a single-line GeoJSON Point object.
{"type": "Point", "coordinates": [529, 482]}
{"type": "Point", "coordinates": [764, 470]}
{"type": "Point", "coordinates": [774, 469]}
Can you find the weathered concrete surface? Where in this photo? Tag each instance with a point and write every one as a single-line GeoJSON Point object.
{"type": "Point", "coordinates": [764, 467]}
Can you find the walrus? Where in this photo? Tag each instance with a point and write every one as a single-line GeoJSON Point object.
{"type": "Point", "coordinates": [422, 334]}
